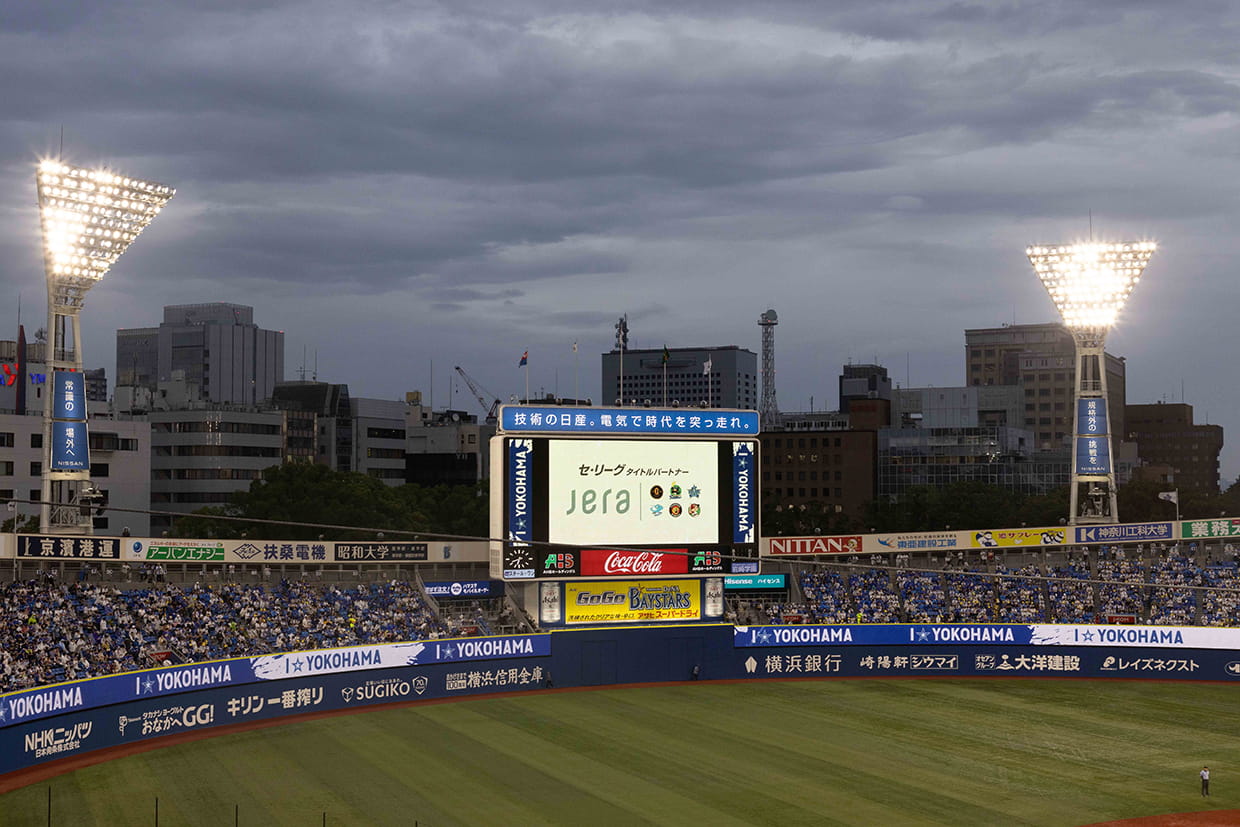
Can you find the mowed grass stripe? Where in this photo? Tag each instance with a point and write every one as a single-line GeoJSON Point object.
{"type": "Point", "coordinates": [781, 753]}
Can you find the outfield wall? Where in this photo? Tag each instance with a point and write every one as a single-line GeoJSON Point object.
{"type": "Point", "coordinates": [70, 719]}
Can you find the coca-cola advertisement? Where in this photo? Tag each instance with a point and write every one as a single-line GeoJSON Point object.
{"type": "Point", "coordinates": [602, 562]}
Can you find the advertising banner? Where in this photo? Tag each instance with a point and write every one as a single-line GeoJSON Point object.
{"type": "Point", "coordinates": [465, 588]}
{"type": "Point", "coordinates": [87, 548]}
{"type": "Point", "coordinates": [70, 446]}
{"type": "Point", "coordinates": [1091, 417]}
{"type": "Point", "coordinates": [180, 551]}
{"type": "Point", "coordinates": [599, 562]}
{"type": "Point", "coordinates": [712, 598]}
{"type": "Point", "coordinates": [549, 603]}
{"type": "Point", "coordinates": [78, 731]}
{"type": "Point", "coordinates": [974, 661]}
{"type": "Point", "coordinates": [634, 601]}
{"type": "Point", "coordinates": [743, 471]}
{"type": "Point", "coordinates": [69, 396]}
{"type": "Point", "coordinates": [626, 421]}
{"type": "Point", "coordinates": [756, 581]}
{"type": "Point", "coordinates": [1012, 537]}
{"type": "Point", "coordinates": [32, 704]}
{"type": "Point", "coordinates": [380, 552]}
{"type": "Point", "coordinates": [1205, 529]}
{"type": "Point", "coordinates": [913, 634]}
{"type": "Point", "coordinates": [1125, 532]}
{"type": "Point", "coordinates": [850, 544]}
{"type": "Point", "coordinates": [918, 541]}
{"type": "Point", "coordinates": [1093, 455]}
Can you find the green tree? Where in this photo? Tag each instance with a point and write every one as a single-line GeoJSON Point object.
{"type": "Point", "coordinates": [306, 493]}
{"type": "Point", "coordinates": [25, 524]}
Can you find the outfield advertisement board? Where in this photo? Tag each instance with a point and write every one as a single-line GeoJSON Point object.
{"type": "Point", "coordinates": [71, 719]}
{"type": "Point", "coordinates": [929, 634]}
{"type": "Point", "coordinates": [32, 704]}
{"type": "Point", "coordinates": [97, 727]}
{"type": "Point", "coordinates": [637, 601]}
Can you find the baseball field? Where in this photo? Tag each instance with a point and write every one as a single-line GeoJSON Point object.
{"type": "Point", "coordinates": [864, 752]}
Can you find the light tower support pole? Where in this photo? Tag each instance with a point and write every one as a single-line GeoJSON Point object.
{"type": "Point", "coordinates": [1091, 429]}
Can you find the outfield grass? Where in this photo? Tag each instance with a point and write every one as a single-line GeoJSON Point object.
{"type": "Point", "coordinates": [865, 752]}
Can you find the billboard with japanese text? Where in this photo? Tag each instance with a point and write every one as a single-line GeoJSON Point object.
{"type": "Point", "coordinates": [637, 601]}
{"type": "Point", "coordinates": [583, 496]}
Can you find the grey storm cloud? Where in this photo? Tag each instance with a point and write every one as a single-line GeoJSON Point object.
{"type": "Point", "coordinates": [465, 176]}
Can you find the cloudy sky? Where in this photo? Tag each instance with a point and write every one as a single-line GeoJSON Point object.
{"type": "Point", "coordinates": [402, 187]}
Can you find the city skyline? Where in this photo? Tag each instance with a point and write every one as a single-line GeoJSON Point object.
{"type": "Point", "coordinates": [464, 183]}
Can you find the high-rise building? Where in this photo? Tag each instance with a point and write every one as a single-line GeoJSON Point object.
{"type": "Point", "coordinates": [1041, 358]}
{"type": "Point", "coordinates": [379, 438]}
{"type": "Point", "coordinates": [218, 348]}
{"type": "Point", "coordinates": [863, 382]}
{"type": "Point", "coordinates": [1166, 436]}
{"type": "Point", "coordinates": [719, 377]}
{"type": "Point", "coordinates": [334, 438]}
{"type": "Point", "coordinates": [199, 457]}
{"type": "Point", "coordinates": [942, 436]}
{"type": "Point", "coordinates": [446, 447]}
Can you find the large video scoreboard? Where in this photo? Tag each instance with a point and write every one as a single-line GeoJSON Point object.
{"type": "Point", "coordinates": [623, 492]}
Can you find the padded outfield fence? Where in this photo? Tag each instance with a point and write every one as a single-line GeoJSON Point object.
{"type": "Point", "coordinates": [51, 723]}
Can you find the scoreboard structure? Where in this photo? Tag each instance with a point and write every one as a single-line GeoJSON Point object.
{"type": "Point", "coordinates": [583, 492]}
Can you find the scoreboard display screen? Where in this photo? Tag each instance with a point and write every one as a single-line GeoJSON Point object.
{"type": "Point", "coordinates": [597, 508]}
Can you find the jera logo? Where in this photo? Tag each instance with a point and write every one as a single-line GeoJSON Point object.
{"type": "Point", "coordinates": [607, 501]}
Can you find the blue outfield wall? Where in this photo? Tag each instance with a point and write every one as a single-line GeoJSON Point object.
{"type": "Point", "coordinates": [41, 725]}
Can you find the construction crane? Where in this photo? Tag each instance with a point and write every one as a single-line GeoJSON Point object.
{"type": "Point", "coordinates": [481, 396]}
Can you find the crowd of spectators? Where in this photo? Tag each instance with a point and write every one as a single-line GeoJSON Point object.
{"type": "Point", "coordinates": [53, 632]}
{"type": "Point", "coordinates": [1158, 585]}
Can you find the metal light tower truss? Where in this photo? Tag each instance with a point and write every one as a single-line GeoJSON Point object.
{"type": "Point", "coordinates": [768, 408]}
{"type": "Point", "coordinates": [1089, 284]}
{"type": "Point", "coordinates": [89, 218]}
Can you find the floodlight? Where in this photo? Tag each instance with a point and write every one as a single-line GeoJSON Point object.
{"type": "Point", "coordinates": [89, 218]}
{"type": "Point", "coordinates": [1089, 284]}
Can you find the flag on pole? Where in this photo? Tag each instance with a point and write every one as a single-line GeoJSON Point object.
{"type": "Point", "coordinates": [1170, 496]}
{"type": "Point", "coordinates": [706, 366]}
{"type": "Point", "coordinates": [525, 359]}
{"type": "Point", "coordinates": [666, 355]}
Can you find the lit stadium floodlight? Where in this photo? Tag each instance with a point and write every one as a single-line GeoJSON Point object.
{"type": "Point", "coordinates": [89, 218]}
{"type": "Point", "coordinates": [1089, 284]}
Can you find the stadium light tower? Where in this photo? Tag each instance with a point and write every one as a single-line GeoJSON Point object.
{"type": "Point", "coordinates": [1089, 284]}
{"type": "Point", "coordinates": [89, 217]}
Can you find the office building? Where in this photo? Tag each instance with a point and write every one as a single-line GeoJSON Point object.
{"type": "Point", "coordinates": [218, 348]}
{"type": "Point", "coordinates": [199, 457]}
{"type": "Point", "coordinates": [1166, 436]}
{"type": "Point", "coordinates": [721, 377]}
{"type": "Point", "coordinates": [863, 382]}
{"type": "Point", "coordinates": [330, 405]}
{"type": "Point", "coordinates": [445, 447]}
{"type": "Point", "coordinates": [379, 443]}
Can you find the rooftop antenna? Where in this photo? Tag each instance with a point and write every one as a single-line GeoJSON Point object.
{"type": "Point", "coordinates": [315, 376]}
{"type": "Point", "coordinates": [1091, 225]}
